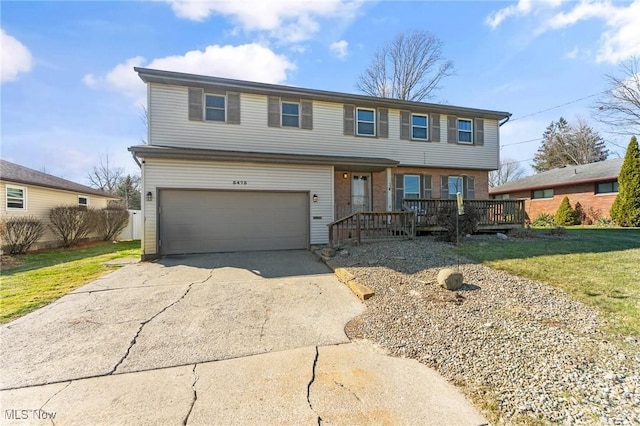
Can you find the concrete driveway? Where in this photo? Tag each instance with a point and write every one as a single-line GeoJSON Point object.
{"type": "Point", "coordinates": [240, 338]}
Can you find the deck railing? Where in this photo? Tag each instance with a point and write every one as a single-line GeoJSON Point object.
{"type": "Point", "coordinates": [491, 213]}
{"type": "Point", "coordinates": [372, 226]}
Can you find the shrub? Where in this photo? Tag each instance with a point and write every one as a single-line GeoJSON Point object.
{"type": "Point", "coordinates": [544, 220]}
{"type": "Point", "coordinates": [71, 223]}
{"type": "Point", "coordinates": [604, 222]}
{"type": "Point", "coordinates": [111, 221]}
{"type": "Point", "coordinates": [521, 233]}
{"type": "Point", "coordinates": [467, 223]}
{"type": "Point", "coordinates": [566, 216]}
{"type": "Point", "coordinates": [625, 210]}
{"type": "Point", "coordinates": [20, 233]}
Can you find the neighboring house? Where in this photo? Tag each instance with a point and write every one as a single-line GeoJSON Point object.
{"type": "Point", "coordinates": [28, 192]}
{"type": "Point", "coordinates": [593, 185]}
{"type": "Point", "coordinates": [235, 165]}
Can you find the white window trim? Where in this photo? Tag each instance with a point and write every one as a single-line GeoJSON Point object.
{"type": "Point", "coordinates": [204, 110]}
{"type": "Point", "coordinates": [86, 198]}
{"type": "Point", "coordinates": [470, 132]}
{"type": "Point", "coordinates": [459, 179]}
{"type": "Point", "coordinates": [404, 185]}
{"type": "Point", "coordinates": [282, 114]}
{"type": "Point", "coordinates": [373, 122]}
{"type": "Point", "coordinates": [24, 198]}
{"type": "Point", "coordinates": [426, 127]}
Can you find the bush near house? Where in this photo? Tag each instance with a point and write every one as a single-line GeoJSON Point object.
{"type": "Point", "coordinates": [111, 221]}
{"type": "Point", "coordinates": [566, 216]}
{"type": "Point", "coordinates": [20, 233]}
{"type": "Point", "coordinates": [72, 224]}
{"type": "Point", "coordinates": [544, 220]}
{"type": "Point", "coordinates": [625, 210]}
{"type": "Point", "coordinates": [450, 220]}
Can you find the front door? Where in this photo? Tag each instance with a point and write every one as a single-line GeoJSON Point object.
{"type": "Point", "coordinates": [360, 192]}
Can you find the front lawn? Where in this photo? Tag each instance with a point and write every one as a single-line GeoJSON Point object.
{"type": "Point", "coordinates": [600, 267]}
{"type": "Point", "coordinates": [35, 279]}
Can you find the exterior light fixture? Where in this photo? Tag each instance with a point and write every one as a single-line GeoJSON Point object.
{"type": "Point", "coordinates": [149, 196]}
{"type": "Point", "coordinates": [315, 198]}
{"type": "Point", "coordinates": [345, 175]}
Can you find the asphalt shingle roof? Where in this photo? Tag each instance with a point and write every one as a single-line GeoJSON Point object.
{"type": "Point", "coordinates": [16, 173]}
{"type": "Point", "coordinates": [593, 172]}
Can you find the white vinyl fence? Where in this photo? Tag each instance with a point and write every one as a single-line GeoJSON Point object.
{"type": "Point", "coordinates": [133, 231]}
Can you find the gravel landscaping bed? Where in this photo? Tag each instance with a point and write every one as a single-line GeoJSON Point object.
{"type": "Point", "coordinates": [523, 351]}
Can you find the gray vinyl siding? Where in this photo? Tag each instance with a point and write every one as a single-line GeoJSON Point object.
{"type": "Point", "coordinates": [161, 173]}
{"type": "Point", "coordinates": [169, 126]}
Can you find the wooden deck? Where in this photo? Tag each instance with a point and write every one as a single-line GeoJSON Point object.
{"type": "Point", "coordinates": [372, 226]}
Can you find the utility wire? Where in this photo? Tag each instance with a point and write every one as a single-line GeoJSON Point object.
{"type": "Point", "coordinates": [520, 142]}
{"type": "Point", "coordinates": [557, 106]}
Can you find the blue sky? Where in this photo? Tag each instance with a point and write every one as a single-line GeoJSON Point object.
{"type": "Point", "coordinates": [69, 95]}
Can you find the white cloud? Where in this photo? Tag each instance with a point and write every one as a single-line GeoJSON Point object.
{"type": "Point", "coordinates": [246, 62]}
{"type": "Point", "coordinates": [16, 58]}
{"type": "Point", "coordinates": [290, 21]}
{"type": "Point", "coordinates": [340, 48]}
{"type": "Point", "coordinates": [619, 41]}
{"type": "Point", "coordinates": [573, 53]}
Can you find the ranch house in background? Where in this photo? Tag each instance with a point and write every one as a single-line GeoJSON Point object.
{"type": "Point", "coordinates": [235, 165]}
{"type": "Point", "coordinates": [593, 185]}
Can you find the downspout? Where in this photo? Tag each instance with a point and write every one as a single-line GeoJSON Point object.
{"type": "Point", "coordinates": [133, 154]}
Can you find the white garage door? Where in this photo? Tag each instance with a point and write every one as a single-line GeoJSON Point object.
{"type": "Point", "coordinates": [194, 221]}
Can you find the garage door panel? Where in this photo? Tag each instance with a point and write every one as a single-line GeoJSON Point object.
{"type": "Point", "coordinates": [193, 221]}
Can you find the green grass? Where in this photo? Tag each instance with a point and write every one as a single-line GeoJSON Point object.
{"type": "Point", "coordinates": [35, 279]}
{"type": "Point", "coordinates": [598, 266]}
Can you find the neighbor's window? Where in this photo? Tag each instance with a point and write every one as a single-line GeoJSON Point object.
{"type": "Point", "coordinates": [456, 184]}
{"type": "Point", "coordinates": [290, 114]}
{"type": "Point", "coordinates": [411, 186]}
{"type": "Point", "coordinates": [419, 127]}
{"type": "Point", "coordinates": [606, 187]}
{"type": "Point", "coordinates": [542, 193]}
{"type": "Point", "coordinates": [214, 108]}
{"type": "Point", "coordinates": [465, 130]}
{"type": "Point", "coordinates": [16, 198]}
{"type": "Point", "coordinates": [366, 122]}
{"type": "Point", "coordinates": [83, 202]}
{"type": "Point", "coordinates": [501, 197]}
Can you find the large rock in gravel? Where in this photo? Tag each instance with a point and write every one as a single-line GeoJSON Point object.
{"type": "Point", "coordinates": [450, 279]}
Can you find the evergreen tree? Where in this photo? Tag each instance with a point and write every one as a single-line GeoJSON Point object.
{"type": "Point", "coordinates": [625, 210]}
{"type": "Point", "coordinates": [565, 215]}
{"type": "Point", "coordinates": [129, 190]}
{"type": "Point", "coordinates": [569, 144]}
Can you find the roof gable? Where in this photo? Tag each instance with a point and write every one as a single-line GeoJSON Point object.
{"type": "Point", "coordinates": [11, 172]}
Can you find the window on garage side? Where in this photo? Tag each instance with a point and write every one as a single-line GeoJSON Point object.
{"type": "Point", "coordinates": [16, 198]}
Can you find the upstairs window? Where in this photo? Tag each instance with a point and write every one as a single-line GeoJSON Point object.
{"type": "Point", "coordinates": [290, 114]}
{"type": "Point", "coordinates": [366, 122]}
{"type": "Point", "coordinates": [542, 193]}
{"type": "Point", "coordinates": [607, 187]}
{"type": "Point", "coordinates": [465, 131]}
{"type": "Point", "coordinates": [83, 202]}
{"type": "Point", "coordinates": [214, 107]}
{"type": "Point", "coordinates": [419, 127]}
{"type": "Point", "coordinates": [16, 198]}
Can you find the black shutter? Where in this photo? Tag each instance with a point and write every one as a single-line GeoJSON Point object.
{"type": "Point", "coordinates": [452, 129]}
{"type": "Point", "coordinates": [470, 185]}
{"type": "Point", "coordinates": [196, 110]}
{"type": "Point", "coordinates": [426, 186]}
{"type": "Point", "coordinates": [478, 128]}
{"type": "Point", "coordinates": [444, 187]}
{"type": "Point", "coordinates": [233, 108]}
{"type": "Point", "coordinates": [405, 125]}
{"type": "Point", "coordinates": [273, 111]}
{"type": "Point", "coordinates": [306, 119]}
{"type": "Point", "coordinates": [349, 127]}
{"type": "Point", "coordinates": [435, 127]}
{"type": "Point", "coordinates": [399, 191]}
{"type": "Point", "coordinates": [383, 123]}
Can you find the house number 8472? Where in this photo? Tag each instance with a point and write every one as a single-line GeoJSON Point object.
{"type": "Point", "coordinates": [239, 182]}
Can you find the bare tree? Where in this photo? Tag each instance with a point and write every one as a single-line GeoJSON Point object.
{"type": "Point", "coordinates": [619, 108]}
{"type": "Point", "coordinates": [105, 177]}
{"type": "Point", "coordinates": [509, 170]}
{"type": "Point", "coordinates": [409, 68]}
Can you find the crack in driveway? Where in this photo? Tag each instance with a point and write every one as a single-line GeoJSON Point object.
{"type": "Point", "coordinates": [195, 395]}
{"type": "Point", "coordinates": [313, 378]}
{"type": "Point", "coordinates": [142, 324]}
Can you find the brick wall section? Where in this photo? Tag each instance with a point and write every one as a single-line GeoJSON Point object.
{"type": "Point", "coordinates": [582, 193]}
{"type": "Point", "coordinates": [342, 190]}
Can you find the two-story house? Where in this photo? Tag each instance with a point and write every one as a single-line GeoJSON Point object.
{"type": "Point", "coordinates": [235, 165]}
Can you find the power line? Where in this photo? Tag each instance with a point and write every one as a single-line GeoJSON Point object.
{"type": "Point", "coordinates": [558, 106]}
{"type": "Point", "coordinates": [521, 142]}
